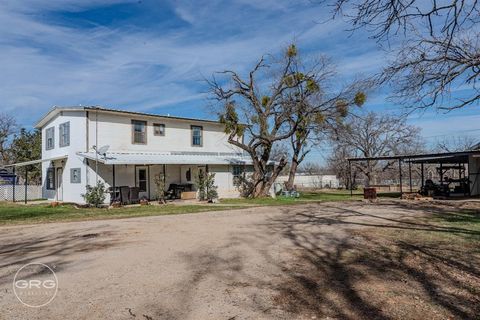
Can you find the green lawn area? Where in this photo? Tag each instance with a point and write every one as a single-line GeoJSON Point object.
{"type": "Point", "coordinates": [40, 213]}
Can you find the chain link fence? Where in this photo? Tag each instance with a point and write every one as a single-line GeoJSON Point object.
{"type": "Point", "coordinates": [34, 192]}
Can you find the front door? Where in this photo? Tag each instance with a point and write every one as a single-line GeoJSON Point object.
{"type": "Point", "coordinates": [59, 184]}
{"type": "Point", "coordinates": [141, 178]}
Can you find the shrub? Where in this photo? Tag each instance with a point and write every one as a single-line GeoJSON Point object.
{"type": "Point", "coordinates": [200, 185]}
{"type": "Point", "coordinates": [210, 186]}
{"type": "Point", "coordinates": [159, 181]}
{"type": "Point", "coordinates": [205, 184]}
{"type": "Point", "coordinates": [95, 196]}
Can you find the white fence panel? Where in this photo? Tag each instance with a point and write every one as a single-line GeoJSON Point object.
{"type": "Point", "coordinates": [34, 192]}
{"type": "Point", "coordinates": [313, 181]}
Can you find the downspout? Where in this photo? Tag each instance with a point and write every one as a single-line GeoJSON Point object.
{"type": "Point", "coordinates": [87, 145]}
{"type": "Point", "coordinates": [96, 147]}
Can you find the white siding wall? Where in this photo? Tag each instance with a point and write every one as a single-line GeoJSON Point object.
{"type": "Point", "coordinates": [116, 131]}
{"type": "Point", "coordinates": [71, 192]}
{"type": "Point", "coordinates": [224, 181]}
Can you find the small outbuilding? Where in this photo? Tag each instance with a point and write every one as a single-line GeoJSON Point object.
{"type": "Point", "coordinates": [458, 173]}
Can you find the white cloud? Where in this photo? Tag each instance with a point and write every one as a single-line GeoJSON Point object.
{"type": "Point", "coordinates": [45, 64]}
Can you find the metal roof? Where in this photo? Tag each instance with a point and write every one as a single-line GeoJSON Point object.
{"type": "Point", "coordinates": [445, 157]}
{"type": "Point", "coordinates": [57, 109]}
{"type": "Point", "coordinates": [145, 158]}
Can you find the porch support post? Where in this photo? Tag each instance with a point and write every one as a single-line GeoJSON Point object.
{"type": "Point", "coordinates": [410, 175]}
{"type": "Point", "coordinates": [114, 193]}
{"type": "Point", "coordinates": [14, 181]}
{"type": "Point", "coordinates": [400, 174]}
{"type": "Point", "coordinates": [423, 177]}
{"type": "Point", "coordinates": [148, 181]}
{"type": "Point", "coordinates": [350, 177]}
{"type": "Point", "coordinates": [164, 174]}
{"type": "Point", "coordinates": [441, 173]}
{"type": "Point", "coordinates": [26, 183]}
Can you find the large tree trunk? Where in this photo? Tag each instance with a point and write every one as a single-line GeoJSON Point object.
{"type": "Point", "coordinates": [262, 183]}
{"type": "Point", "coordinates": [292, 173]}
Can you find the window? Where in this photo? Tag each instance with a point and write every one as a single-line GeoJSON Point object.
{"type": "Point", "coordinates": [139, 131]}
{"type": "Point", "coordinates": [50, 183]}
{"type": "Point", "coordinates": [197, 136]}
{"type": "Point", "coordinates": [142, 180]}
{"type": "Point", "coordinates": [188, 175]}
{"type": "Point", "coordinates": [75, 176]}
{"type": "Point", "coordinates": [158, 129]}
{"type": "Point", "coordinates": [50, 138]}
{"type": "Point", "coordinates": [64, 133]}
{"type": "Point", "coordinates": [237, 172]}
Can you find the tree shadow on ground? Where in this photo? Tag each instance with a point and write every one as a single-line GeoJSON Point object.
{"type": "Point", "coordinates": [342, 261]}
{"type": "Point", "coordinates": [379, 272]}
{"type": "Point", "coordinates": [52, 249]}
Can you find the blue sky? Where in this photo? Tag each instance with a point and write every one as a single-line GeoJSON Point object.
{"type": "Point", "coordinates": [151, 56]}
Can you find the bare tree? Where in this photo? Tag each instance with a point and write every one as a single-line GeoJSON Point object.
{"type": "Point", "coordinates": [338, 164]}
{"type": "Point", "coordinates": [257, 118]}
{"type": "Point", "coordinates": [8, 126]}
{"type": "Point", "coordinates": [315, 120]}
{"type": "Point", "coordinates": [453, 144]}
{"type": "Point", "coordinates": [440, 49]}
{"type": "Point", "coordinates": [278, 98]}
{"type": "Point", "coordinates": [312, 168]}
{"type": "Point", "coordinates": [376, 135]}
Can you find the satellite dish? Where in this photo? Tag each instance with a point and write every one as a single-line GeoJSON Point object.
{"type": "Point", "coordinates": [103, 150]}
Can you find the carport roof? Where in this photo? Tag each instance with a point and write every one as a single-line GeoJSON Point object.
{"type": "Point", "coordinates": [145, 158]}
{"type": "Point", "coordinates": [445, 157]}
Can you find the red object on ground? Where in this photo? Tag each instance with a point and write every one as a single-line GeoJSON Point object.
{"type": "Point", "coordinates": [370, 193]}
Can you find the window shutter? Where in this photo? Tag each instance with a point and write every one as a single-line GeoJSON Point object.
{"type": "Point", "coordinates": [61, 131]}
{"type": "Point", "coordinates": [67, 134]}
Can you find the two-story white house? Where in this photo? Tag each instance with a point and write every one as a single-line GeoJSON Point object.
{"type": "Point", "coordinates": [81, 145]}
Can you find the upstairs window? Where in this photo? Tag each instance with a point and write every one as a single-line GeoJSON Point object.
{"type": "Point", "coordinates": [139, 132]}
{"type": "Point", "coordinates": [197, 136]}
{"type": "Point", "coordinates": [158, 129]}
{"type": "Point", "coordinates": [64, 133]}
{"type": "Point", "coordinates": [50, 138]}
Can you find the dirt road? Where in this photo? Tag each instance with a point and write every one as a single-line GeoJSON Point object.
{"type": "Point", "coordinates": [219, 265]}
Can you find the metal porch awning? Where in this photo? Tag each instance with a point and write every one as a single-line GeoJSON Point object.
{"type": "Point", "coordinates": [26, 163]}
{"type": "Point", "coordinates": [451, 157]}
{"type": "Point", "coordinates": [146, 158]}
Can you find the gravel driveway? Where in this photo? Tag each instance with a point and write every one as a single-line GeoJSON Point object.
{"type": "Point", "coordinates": [218, 265]}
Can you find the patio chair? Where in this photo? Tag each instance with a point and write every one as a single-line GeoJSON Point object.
{"type": "Point", "coordinates": [114, 194]}
{"type": "Point", "coordinates": [134, 195]}
{"type": "Point", "coordinates": [125, 195]}
{"type": "Point", "coordinates": [170, 193]}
